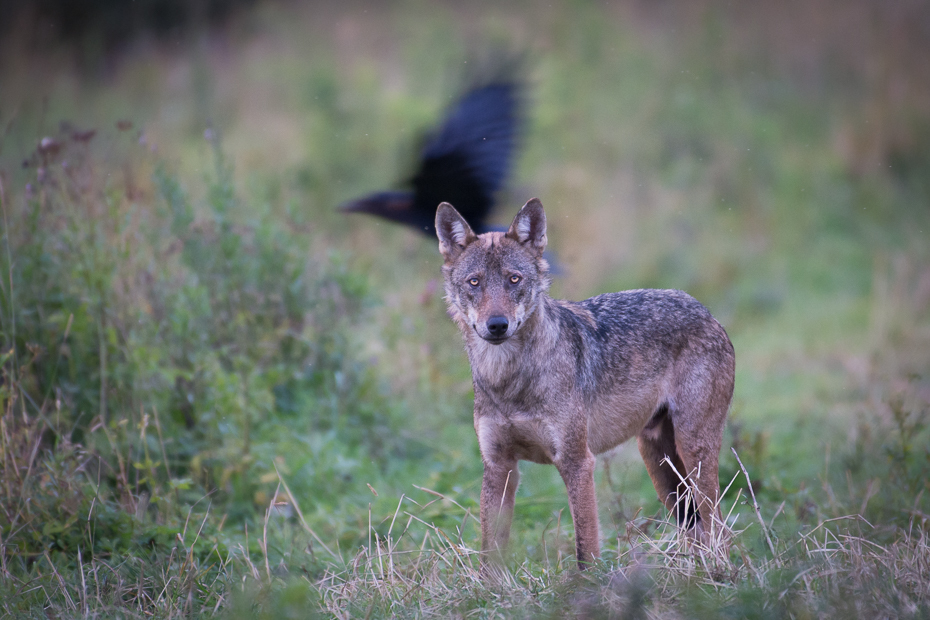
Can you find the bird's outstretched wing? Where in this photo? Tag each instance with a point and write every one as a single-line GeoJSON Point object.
{"type": "Point", "coordinates": [465, 161]}
{"type": "Point", "coordinates": [469, 158]}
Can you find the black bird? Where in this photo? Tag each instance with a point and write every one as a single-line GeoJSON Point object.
{"type": "Point", "coordinates": [465, 161]}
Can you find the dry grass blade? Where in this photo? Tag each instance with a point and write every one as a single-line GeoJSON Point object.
{"type": "Point", "coordinates": [303, 521]}
{"type": "Point", "coordinates": [755, 506]}
{"type": "Point", "coordinates": [439, 495]}
{"type": "Point", "coordinates": [264, 541]}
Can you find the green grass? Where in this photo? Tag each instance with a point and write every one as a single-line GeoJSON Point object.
{"type": "Point", "coordinates": [222, 397]}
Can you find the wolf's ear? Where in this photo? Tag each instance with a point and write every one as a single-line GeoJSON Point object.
{"type": "Point", "coordinates": [529, 227]}
{"type": "Point", "coordinates": [453, 231]}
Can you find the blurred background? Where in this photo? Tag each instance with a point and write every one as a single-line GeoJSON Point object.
{"type": "Point", "coordinates": [189, 322]}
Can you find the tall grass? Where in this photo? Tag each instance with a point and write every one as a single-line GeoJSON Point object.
{"type": "Point", "coordinates": [153, 343]}
{"type": "Point", "coordinates": [221, 397]}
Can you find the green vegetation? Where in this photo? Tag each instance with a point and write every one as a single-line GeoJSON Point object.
{"type": "Point", "coordinates": [222, 397]}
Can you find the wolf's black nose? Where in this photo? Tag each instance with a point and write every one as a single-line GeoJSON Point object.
{"type": "Point", "coordinates": [497, 326]}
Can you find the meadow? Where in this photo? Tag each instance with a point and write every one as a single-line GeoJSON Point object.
{"type": "Point", "coordinates": [223, 397]}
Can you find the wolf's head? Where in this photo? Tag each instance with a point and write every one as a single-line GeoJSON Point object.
{"type": "Point", "coordinates": [493, 281]}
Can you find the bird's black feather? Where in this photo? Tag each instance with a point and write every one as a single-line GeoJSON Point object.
{"type": "Point", "coordinates": [466, 161]}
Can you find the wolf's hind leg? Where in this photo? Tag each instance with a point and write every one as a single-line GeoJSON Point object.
{"type": "Point", "coordinates": [700, 452]}
{"type": "Point", "coordinates": [656, 442]}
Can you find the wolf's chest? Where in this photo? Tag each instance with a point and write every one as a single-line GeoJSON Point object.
{"type": "Point", "coordinates": [518, 436]}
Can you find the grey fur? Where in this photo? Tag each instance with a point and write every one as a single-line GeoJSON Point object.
{"type": "Point", "coordinates": [557, 382]}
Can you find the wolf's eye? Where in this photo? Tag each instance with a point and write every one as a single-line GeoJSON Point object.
{"type": "Point", "coordinates": [515, 279]}
{"type": "Point", "coordinates": [473, 281]}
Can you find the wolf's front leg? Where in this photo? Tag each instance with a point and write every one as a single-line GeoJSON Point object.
{"type": "Point", "coordinates": [498, 488]}
{"type": "Point", "coordinates": [577, 471]}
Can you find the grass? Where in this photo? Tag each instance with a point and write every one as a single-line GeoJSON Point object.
{"type": "Point", "coordinates": [221, 397]}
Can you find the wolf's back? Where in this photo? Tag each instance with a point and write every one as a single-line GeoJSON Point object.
{"type": "Point", "coordinates": [639, 333]}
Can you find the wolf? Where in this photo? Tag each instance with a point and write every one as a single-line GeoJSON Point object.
{"type": "Point", "coordinates": [557, 382]}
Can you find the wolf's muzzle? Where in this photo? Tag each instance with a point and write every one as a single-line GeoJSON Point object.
{"type": "Point", "coordinates": [497, 328]}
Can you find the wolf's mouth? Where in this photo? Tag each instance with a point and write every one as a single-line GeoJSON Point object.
{"type": "Point", "coordinates": [489, 337]}
{"type": "Point", "coordinates": [495, 339]}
